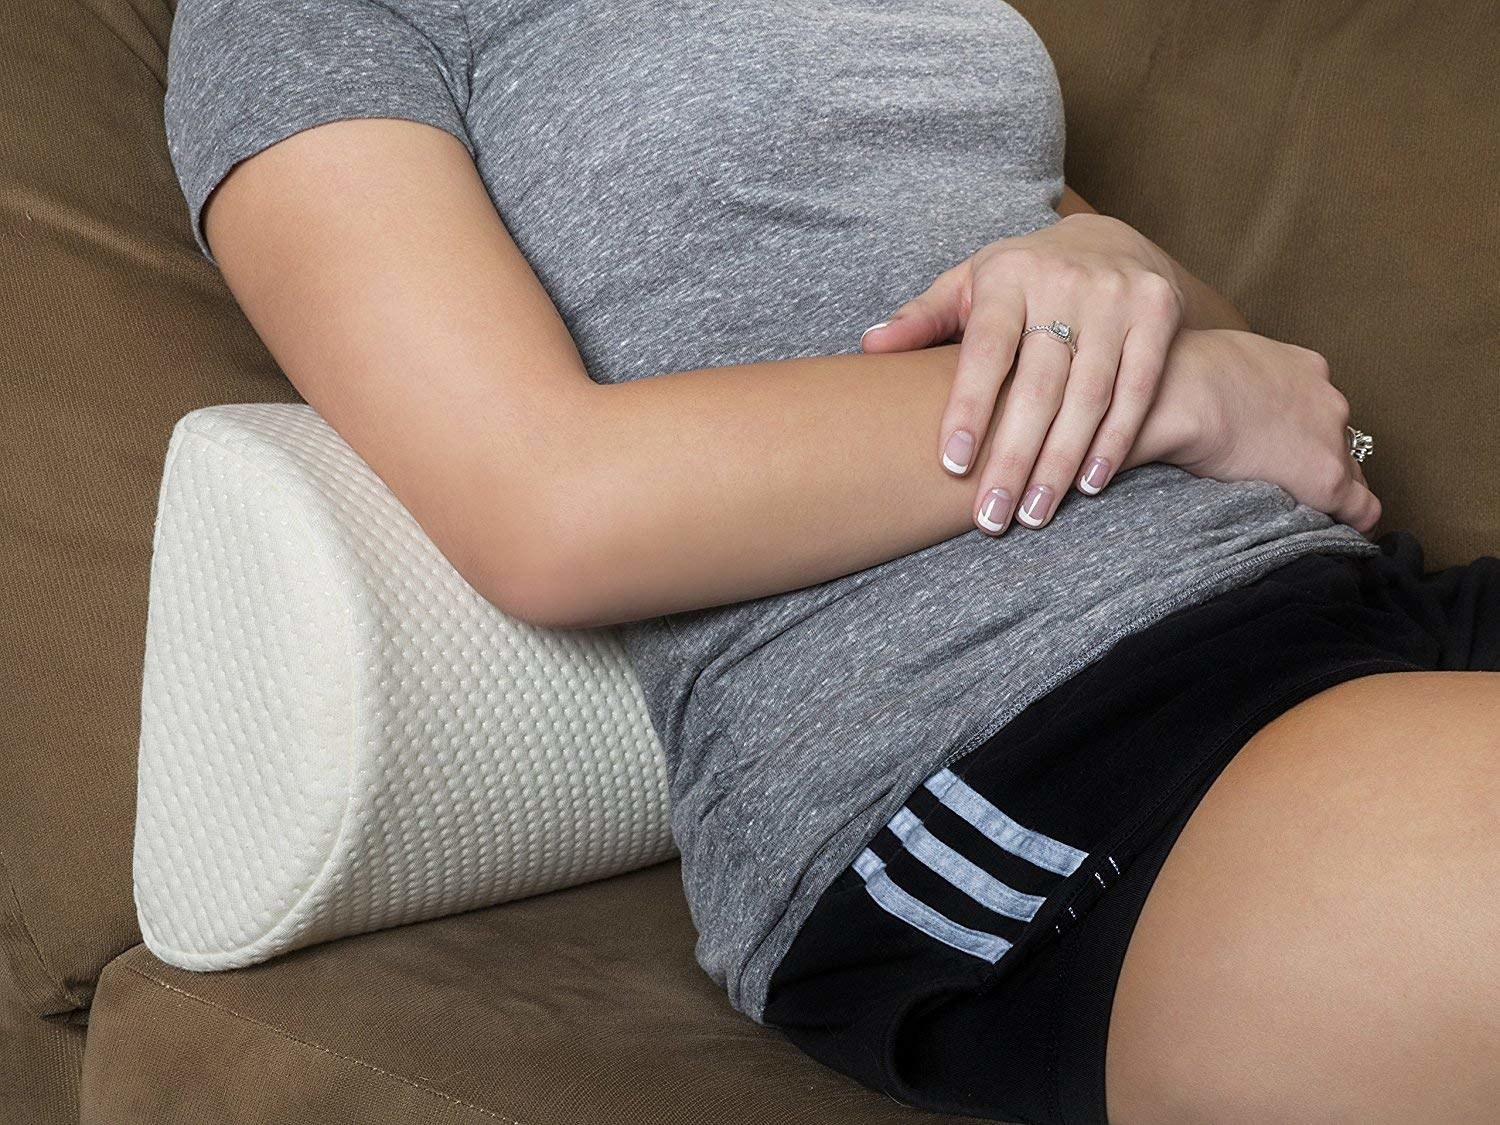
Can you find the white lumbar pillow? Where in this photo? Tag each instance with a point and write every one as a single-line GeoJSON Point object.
{"type": "Point", "coordinates": [338, 733]}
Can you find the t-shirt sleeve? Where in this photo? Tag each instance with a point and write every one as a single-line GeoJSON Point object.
{"type": "Point", "coordinates": [244, 74]}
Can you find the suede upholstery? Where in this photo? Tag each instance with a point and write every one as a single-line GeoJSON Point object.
{"type": "Point", "coordinates": [110, 330]}
{"type": "Point", "coordinates": [584, 1005]}
{"type": "Point", "coordinates": [1329, 165]}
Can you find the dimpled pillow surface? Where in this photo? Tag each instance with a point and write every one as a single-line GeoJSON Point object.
{"type": "Point", "coordinates": [338, 733]}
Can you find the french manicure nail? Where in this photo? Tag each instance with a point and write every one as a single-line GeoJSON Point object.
{"type": "Point", "coordinates": [996, 504]}
{"type": "Point", "coordinates": [957, 452]}
{"type": "Point", "coordinates": [1095, 473]}
{"type": "Point", "coordinates": [1035, 505]}
{"type": "Point", "coordinates": [870, 329]}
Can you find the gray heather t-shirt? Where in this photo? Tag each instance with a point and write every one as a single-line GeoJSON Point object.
{"type": "Point", "coordinates": [701, 184]}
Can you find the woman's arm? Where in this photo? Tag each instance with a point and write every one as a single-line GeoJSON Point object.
{"type": "Point", "coordinates": [1206, 307]}
{"type": "Point", "coordinates": [722, 484]}
{"type": "Point", "coordinates": [370, 259]}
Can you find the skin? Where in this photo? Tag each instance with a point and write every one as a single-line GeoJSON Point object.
{"type": "Point", "coordinates": [370, 259]}
{"type": "Point", "coordinates": [1072, 419]}
{"type": "Point", "coordinates": [1320, 944]}
{"type": "Point", "coordinates": [1205, 306]}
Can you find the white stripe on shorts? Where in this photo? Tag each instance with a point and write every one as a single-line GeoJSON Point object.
{"type": "Point", "coordinates": [1044, 851]}
{"type": "Point", "coordinates": [968, 877]}
{"type": "Point", "coordinates": [891, 897]}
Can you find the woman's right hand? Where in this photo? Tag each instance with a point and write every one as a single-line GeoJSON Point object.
{"type": "Point", "coordinates": [1266, 410]}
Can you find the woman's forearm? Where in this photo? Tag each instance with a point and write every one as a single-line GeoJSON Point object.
{"type": "Point", "coordinates": [698, 488]}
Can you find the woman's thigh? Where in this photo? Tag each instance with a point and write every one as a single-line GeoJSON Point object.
{"type": "Point", "coordinates": [1323, 940]}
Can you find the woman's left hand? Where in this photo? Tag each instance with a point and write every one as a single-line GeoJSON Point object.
{"type": "Point", "coordinates": [1067, 419]}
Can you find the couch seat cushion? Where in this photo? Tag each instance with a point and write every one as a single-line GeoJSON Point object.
{"type": "Point", "coordinates": [575, 1007]}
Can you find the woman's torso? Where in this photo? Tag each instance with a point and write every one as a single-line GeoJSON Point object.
{"type": "Point", "coordinates": [701, 184]}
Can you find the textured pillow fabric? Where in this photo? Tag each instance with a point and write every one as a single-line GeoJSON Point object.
{"type": "Point", "coordinates": [338, 732]}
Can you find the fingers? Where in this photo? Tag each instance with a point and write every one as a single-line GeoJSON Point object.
{"type": "Point", "coordinates": [1036, 393]}
{"type": "Point", "coordinates": [1333, 482]}
{"type": "Point", "coordinates": [933, 316]}
{"type": "Point", "coordinates": [1351, 500]}
{"type": "Point", "coordinates": [1090, 385]}
{"type": "Point", "coordinates": [1357, 505]}
{"type": "Point", "coordinates": [1143, 358]}
{"type": "Point", "coordinates": [985, 357]}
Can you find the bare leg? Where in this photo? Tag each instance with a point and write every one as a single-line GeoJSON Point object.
{"type": "Point", "coordinates": [1322, 944]}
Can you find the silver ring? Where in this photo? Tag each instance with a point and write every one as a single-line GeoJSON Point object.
{"type": "Point", "coordinates": [1058, 331]}
{"type": "Point", "coordinates": [1361, 444]}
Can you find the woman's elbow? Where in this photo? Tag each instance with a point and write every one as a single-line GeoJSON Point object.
{"type": "Point", "coordinates": [544, 573]}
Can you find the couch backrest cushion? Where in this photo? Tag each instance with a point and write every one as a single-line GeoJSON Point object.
{"type": "Point", "coordinates": [112, 327]}
{"type": "Point", "coordinates": [1332, 169]}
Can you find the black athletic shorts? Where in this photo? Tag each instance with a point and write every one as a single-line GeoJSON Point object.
{"type": "Point", "coordinates": [966, 961]}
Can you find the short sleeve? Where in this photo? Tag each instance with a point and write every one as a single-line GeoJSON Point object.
{"type": "Point", "coordinates": [244, 74]}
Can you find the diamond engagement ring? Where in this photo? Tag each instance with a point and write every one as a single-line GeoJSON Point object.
{"type": "Point", "coordinates": [1361, 444]}
{"type": "Point", "coordinates": [1058, 331]}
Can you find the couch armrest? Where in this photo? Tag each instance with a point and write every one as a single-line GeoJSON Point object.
{"type": "Point", "coordinates": [338, 733]}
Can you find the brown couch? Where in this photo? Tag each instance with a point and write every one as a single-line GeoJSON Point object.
{"type": "Point", "coordinates": [1330, 165]}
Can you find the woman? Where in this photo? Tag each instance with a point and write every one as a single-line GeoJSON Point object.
{"type": "Point", "coordinates": [585, 286]}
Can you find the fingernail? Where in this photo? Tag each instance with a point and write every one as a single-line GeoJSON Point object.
{"type": "Point", "coordinates": [957, 452]}
{"type": "Point", "coordinates": [1035, 505]}
{"type": "Point", "coordinates": [996, 504]}
{"type": "Point", "coordinates": [870, 329]}
{"type": "Point", "coordinates": [1095, 473]}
